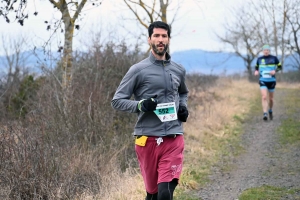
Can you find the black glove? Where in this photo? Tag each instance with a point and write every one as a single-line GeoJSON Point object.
{"type": "Point", "coordinates": [148, 105]}
{"type": "Point", "coordinates": [182, 113]}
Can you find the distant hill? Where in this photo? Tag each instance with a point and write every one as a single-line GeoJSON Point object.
{"type": "Point", "coordinates": [32, 60]}
{"type": "Point", "coordinates": [196, 60]}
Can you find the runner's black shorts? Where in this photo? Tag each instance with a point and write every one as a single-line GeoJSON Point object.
{"type": "Point", "coordinates": [268, 85]}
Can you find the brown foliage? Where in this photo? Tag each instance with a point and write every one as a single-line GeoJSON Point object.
{"type": "Point", "coordinates": [52, 154]}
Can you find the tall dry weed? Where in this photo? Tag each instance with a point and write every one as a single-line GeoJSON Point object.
{"type": "Point", "coordinates": [57, 153]}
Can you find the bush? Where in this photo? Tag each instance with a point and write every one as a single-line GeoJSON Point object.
{"type": "Point", "coordinates": [22, 99]}
{"type": "Point", "coordinates": [57, 153]}
{"type": "Point", "coordinates": [198, 83]}
{"type": "Point", "coordinates": [290, 77]}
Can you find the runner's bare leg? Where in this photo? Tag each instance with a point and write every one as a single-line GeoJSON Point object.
{"type": "Point", "coordinates": [264, 99]}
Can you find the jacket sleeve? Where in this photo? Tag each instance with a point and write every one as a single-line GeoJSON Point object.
{"type": "Point", "coordinates": [183, 91]}
{"type": "Point", "coordinates": [121, 100]}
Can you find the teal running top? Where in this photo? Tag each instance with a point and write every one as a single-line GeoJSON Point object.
{"type": "Point", "coordinates": [266, 64]}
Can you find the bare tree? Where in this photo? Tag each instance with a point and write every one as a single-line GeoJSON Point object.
{"type": "Point", "coordinates": [244, 35]}
{"type": "Point", "coordinates": [146, 12]}
{"type": "Point", "coordinates": [258, 23]}
{"type": "Point", "coordinates": [272, 13]}
{"type": "Point", "coordinates": [293, 18]}
{"type": "Point", "coordinates": [283, 25]}
{"type": "Point", "coordinates": [70, 11]}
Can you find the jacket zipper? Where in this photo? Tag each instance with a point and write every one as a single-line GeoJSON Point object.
{"type": "Point", "coordinates": [171, 77]}
{"type": "Point", "coordinates": [164, 72]}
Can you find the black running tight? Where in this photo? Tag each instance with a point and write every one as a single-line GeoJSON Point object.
{"type": "Point", "coordinates": [165, 191]}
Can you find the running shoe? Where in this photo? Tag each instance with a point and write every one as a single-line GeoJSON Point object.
{"type": "Point", "coordinates": [271, 115]}
{"type": "Point", "coordinates": [265, 117]}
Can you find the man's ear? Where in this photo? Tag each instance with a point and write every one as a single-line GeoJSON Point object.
{"type": "Point", "coordinates": [149, 40]}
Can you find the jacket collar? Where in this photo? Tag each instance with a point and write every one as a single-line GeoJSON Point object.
{"type": "Point", "coordinates": [160, 62]}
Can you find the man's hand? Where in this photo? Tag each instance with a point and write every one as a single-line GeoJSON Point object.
{"type": "Point", "coordinates": [182, 113]}
{"type": "Point", "coordinates": [148, 105]}
{"type": "Point", "coordinates": [273, 72]}
{"type": "Point", "coordinates": [256, 73]}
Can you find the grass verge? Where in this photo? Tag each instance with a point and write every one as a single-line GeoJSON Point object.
{"type": "Point", "coordinates": [267, 192]}
{"type": "Point", "coordinates": [289, 129]}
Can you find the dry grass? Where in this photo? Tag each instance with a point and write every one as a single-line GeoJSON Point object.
{"type": "Point", "coordinates": [288, 85]}
{"type": "Point", "coordinates": [228, 102]}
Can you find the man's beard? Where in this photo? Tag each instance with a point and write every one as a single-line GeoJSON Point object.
{"type": "Point", "coordinates": [160, 53]}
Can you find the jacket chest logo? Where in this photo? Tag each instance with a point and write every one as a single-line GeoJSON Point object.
{"type": "Point", "coordinates": [263, 62]}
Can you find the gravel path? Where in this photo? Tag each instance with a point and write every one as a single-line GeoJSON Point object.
{"type": "Point", "coordinates": [263, 162]}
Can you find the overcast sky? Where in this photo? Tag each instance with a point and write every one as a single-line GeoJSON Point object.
{"type": "Point", "coordinates": [198, 20]}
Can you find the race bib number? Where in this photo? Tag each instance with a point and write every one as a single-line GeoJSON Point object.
{"type": "Point", "coordinates": [166, 111]}
{"type": "Point", "coordinates": [266, 74]}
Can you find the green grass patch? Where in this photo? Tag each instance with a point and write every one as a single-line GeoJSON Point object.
{"type": "Point", "coordinates": [266, 192]}
{"type": "Point", "coordinates": [289, 129]}
{"type": "Point", "coordinates": [238, 118]}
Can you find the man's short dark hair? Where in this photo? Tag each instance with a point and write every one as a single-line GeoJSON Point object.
{"type": "Point", "coordinates": [159, 24]}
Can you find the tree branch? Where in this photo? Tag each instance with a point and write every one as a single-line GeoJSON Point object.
{"type": "Point", "coordinates": [80, 7]}
{"type": "Point", "coordinates": [136, 15]}
{"type": "Point", "coordinates": [56, 4]}
{"type": "Point", "coordinates": [142, 4]}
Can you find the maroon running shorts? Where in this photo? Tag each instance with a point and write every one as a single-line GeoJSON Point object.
{"type": "Point", "coordinates": [160, 163]}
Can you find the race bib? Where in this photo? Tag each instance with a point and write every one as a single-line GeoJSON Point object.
{"type": "Point", "coordinates": [266, 74]}
{"type": "Point", "coordinates": [166, 111]}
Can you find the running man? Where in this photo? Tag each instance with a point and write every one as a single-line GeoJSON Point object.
{"type": "Point", "coordinates": [160, 101]}
{"type": "Point", "coordinates": [267, 66]}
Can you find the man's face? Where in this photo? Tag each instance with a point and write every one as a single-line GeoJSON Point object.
{"type": "Point", "coordinates": [266, 52]}
{"type": "Point", "coordinates": [159, 41]}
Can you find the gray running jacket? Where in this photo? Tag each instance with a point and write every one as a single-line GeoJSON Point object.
{"type": "Point", "coordinates": [148, 78]}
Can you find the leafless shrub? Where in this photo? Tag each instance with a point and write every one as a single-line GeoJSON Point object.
{"type": "Point", "coordinates": [52, 154]}
{"type": "Point", "coordinates": [198, 83]}
{"type": "Point", "coordinates": [288, 77]}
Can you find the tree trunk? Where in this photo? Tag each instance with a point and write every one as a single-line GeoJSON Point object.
{"type": "Point", "coordinates": [274, 28]}
{"type": "Point", "coordinates": [163, 8]}
{"type": "Point", "coordinates": [67, 55]}
{"type": "Point", "coordinates": [283, 34]}
{"type": "Point", "coordinates": [249, 70]}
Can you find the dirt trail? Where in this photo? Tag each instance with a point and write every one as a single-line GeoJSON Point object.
{"type": "Point", "coordinates": [263, 162]}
